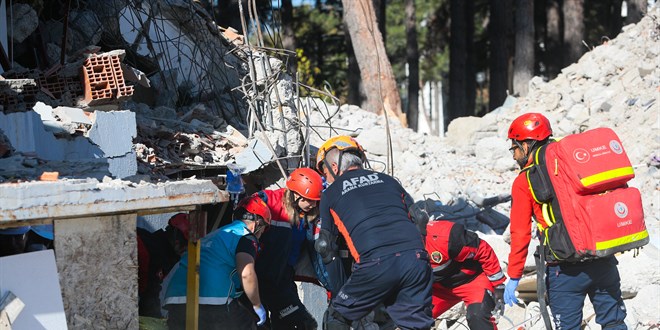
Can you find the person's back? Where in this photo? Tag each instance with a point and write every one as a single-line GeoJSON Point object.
{"type": "Point", "coordinates": [369, 210]}
{"type": "Point", "coordinates": [227, 279]}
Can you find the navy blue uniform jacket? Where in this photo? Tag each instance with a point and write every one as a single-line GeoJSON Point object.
{"type": "Point", "coordinates": [368, 208]}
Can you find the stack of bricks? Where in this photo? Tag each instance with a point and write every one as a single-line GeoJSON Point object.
{"type": "Point", "coordinates": [52, 84]}
{"type": "Point", "coordinates": [15, 98]}
{"type": "Point", "coordinates": [104, 80]}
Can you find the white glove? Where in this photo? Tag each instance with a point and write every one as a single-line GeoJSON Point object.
{"type": "Point", "coordinates": [261, 312]}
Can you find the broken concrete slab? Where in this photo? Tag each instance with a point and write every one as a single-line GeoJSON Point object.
{"type": "Point", "coordinates": [24, 21]}
{"type": "Point", "coordinates": [71, 198]}
{"type": "Point", "coordinates": [254, 156]}
{"type": "Point", "coordinates": [105, 129]}
{"type": "Point", "coordinates": [71, 115]}
{"type": "Point", "coordinates": [27, 134]}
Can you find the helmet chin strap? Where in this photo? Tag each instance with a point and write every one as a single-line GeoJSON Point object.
{"type": "Point", "coordinates": [327, 164]}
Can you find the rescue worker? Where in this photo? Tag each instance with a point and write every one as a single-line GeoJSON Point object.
{"type": "Point", "coordinates": [465, 268]}
{"type": "Point", "coordinates": [294, 209]}
{"type": "Point", "coordinates": [391, 265]}
{"type": "Point", "coordinates": [158, 252]}
{"type": "Point", "coordinates": [228, 286]}
{"type": "Point", "coordinates": [567, 283]}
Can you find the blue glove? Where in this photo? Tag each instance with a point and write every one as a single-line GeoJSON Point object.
{"type": "Point", "coordinates": [261, 312]}
{"type": "Point", "coordinates": [510, 291]}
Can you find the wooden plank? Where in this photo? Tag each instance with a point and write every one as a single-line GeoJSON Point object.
{"type": "Point", "coordinates": [197, 231]}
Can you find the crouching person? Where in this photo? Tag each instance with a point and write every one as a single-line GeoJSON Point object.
{"type": "Point", "coordinates": [465, 268]}
{"type": "Point", "coordinates": [228, 289]}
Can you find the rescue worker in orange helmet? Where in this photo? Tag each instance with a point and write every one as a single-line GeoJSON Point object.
{"type": "Point", "coordinates": [294, 210]}
{"type": "Point", "coordinates": [228, 286]}
{"type": "Point", "coordinates": [567, 283]}
{"type": "Point", "coordinates": [369, 210]}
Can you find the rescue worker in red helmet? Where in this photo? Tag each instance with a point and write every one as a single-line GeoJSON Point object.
{"type": "Point", "coordinates": [370, 211]}
{"type": "Point", "coordinates": [158, 252]}
{"type": "Point", "coordinates": [228, 285]}
{"type": "Point", "coordinates": [465, 268]}
{"type": "Point", "coordinates": [294, 210]}
{"type": "Point", "coordinates": [567, 283]}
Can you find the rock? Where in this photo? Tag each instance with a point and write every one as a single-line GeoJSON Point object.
{"type": "Point", "coordinates": [24, 21]}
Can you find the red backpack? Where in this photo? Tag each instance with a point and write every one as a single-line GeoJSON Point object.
{"type": "Point", "coordinates": [590, 211]}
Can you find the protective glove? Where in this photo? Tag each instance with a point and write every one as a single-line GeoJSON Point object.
{"type": "Point", "coordinates": [510, 291]}
{"type": "Point", "coordinates": [261, 312]}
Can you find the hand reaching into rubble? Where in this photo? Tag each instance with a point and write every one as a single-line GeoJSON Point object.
{"type": "Point", "coordinates": [510, 291]}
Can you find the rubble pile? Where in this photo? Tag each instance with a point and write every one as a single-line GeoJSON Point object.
{"type": "Point", "coordinates": [203, 92]}
{"type": "Point", "coordinates": [615, 85]}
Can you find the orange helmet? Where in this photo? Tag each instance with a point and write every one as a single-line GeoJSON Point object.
{"type": "Point", "coordinates": [252, 205]}
{"type": "Point", "coordinates": [306, 182]}
{"type": "Point", "coordinates": [180, 222]}
{"type": "Point", "coordinates": [341, 142]}
{"type": "Point", "coordinates": [530, 126]}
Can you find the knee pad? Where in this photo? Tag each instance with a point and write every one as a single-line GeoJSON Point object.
{"type": "Point", "coordinates": [479, 315]}
{"type": "Point", "coordinates": [335, 321]}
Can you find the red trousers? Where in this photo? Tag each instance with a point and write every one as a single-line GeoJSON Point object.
{"type": "Point", "coordinates": [477, 296]}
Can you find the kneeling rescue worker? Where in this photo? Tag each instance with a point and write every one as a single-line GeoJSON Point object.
{"type": "Point", "coordinates": [391, 265]}
{"type": "Point", "coordinates": [465, 268]}
{"type": "Point", "coordinates": [228, 287]}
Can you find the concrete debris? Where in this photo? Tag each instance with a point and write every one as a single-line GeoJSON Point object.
{"type": "Point", "coordinates": [614, 85]}
{"type": "Point", "coordinates": [24, 21]}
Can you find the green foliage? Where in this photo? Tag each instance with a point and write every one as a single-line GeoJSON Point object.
{"type": "Point", "coordinates": [321, 41]}
{"type": "Point", "coordinates": [434, 53]}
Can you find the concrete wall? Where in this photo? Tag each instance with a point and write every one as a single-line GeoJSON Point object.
{"type": "Point", "coordinates": [97, 264]}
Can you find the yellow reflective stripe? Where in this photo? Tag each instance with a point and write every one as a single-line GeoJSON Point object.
{"type": "Point", "coordinates": [622, 240]}
{"type": "Point", "coordinates": [529, 183]}
{"type": "Point", "coordinates": [607, 175]}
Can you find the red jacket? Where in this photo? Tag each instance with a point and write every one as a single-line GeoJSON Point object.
{"type": "Point", "coordinates": [523, 207]}
{"type": "Point", "coordinates": [277, 212]}
{"type": "Point", "coordinates": [458, 256]}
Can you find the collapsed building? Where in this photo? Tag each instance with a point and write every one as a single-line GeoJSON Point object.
{"type": "Point", "coordinates": [127, 112]}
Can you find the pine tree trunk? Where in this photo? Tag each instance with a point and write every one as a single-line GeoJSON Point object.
{"type": "Point", "coordinates": [288, 36]}
{"type": "Point", "coordinates": [573, 30]}
{"type": "Point", "coordinates": [553, 38]}
{"type": "Point", "coordinates": [499, 52]}
{"type": "Point", "coordinates": [457, 60]}
{"type": "Point", "coordinates": [636, 10]}
{"type": "Point", "coordinates": [470, 61]}
{"type": "Point", "coordinates": [412, 54]}
{"type": "Point", "coordinates": [523, 69]}
{"type": "Point", "coordinates": [355, 92]}
{"type": "Point", "coordinates": [375, 68]}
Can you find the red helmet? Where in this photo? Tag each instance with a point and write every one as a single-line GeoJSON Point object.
{"type": "Point", "coordinates": [530, 126]}
{"type": "Point", "coordinates": [306, 182]}
{"type": "Point", "coordinates": [180, 222]}
{"type": "Point", "coordinates": [254, 205]}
